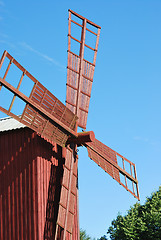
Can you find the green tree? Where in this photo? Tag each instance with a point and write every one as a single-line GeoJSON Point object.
{"type": "Point", "coordinates": [103, 238]}
{"type": "Point", "coordinates": [83, 235]}
{"type": "Point", "coordinates": [141, 222]}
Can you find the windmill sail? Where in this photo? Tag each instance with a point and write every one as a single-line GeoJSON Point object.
{"type": "Point", "coordinates": [81, 64]}
{"type": "Point", "coordinates": [41, 111]}
{"type": "Point", "coordinates": [117, 166]}
{"type": "Point", "coordinates": [68, 198]}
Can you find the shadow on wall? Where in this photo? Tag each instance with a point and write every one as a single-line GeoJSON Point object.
{"type": "Point", "coordinates": [30, 185]}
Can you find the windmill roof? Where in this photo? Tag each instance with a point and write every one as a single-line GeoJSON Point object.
{"type": "Point", "coordinates": [10, 123]}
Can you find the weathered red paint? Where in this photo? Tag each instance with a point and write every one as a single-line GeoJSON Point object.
{"type": "Point", "coordinates": [30, 177]}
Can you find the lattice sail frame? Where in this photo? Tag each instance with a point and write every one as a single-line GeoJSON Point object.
{"type": "Point", "coordinates": [68, 197]}
{"type": "Point", "coordinates": [123, 172]}
{"type": "Point", "coordinates": [80, 71]}
{"type": "Point", "coordinates": [43, 112]}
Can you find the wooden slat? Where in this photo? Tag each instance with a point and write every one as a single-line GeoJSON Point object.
{"type": "Point", "coordinates": [81, 17]}
{"type": "Point", "coordinates": [106, 158]}
{"type": "Point", "coordinates": [19, 84]}
{"type": "Point", "coordinates": [80, 71]}
{"type": "Point", "coordinates": [68, 195]}
{"type": "Point", "coordinates": [42, 106]}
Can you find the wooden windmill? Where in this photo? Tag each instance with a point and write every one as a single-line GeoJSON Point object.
{"type": "Point", "coordinates": [58, 124]}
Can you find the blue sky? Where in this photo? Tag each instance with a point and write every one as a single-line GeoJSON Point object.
{"type": "Point", "coordinates": [125, 107]}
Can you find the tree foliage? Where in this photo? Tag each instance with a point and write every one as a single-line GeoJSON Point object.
{"type": "Point", "coordinates": [83, 235]}
{"type": "Point", "coordinates": [103, 238]}
{"type": "Point", "coordinates": [141, 222]}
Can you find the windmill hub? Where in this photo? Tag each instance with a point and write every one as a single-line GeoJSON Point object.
{"type": "Point", "coordinates": [83, 137]}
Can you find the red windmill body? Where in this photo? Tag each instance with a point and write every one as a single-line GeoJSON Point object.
{"type": "Point", "coordinates": [40, 197]}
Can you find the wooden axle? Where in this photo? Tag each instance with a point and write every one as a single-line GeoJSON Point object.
{"type": "Point", "coordinates": [83, 137]}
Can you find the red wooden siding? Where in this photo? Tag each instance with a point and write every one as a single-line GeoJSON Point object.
{"type": "Point", "coordinates": [31, 170]}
